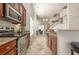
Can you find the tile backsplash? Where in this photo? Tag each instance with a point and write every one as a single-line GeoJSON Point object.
{"type": "Point", "coordinates": [4, 24]}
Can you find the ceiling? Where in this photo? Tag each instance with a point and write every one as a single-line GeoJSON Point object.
{"type": "Point", "coordinates": [47, 10]}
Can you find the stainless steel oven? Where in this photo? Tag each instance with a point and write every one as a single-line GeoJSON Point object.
{"type": "Point", "coordinates": [11, 13]}
{"type": "Point", "coordinates": [21, 45]}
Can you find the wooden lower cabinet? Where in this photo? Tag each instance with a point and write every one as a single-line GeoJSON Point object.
{"type": "Point", "coordinates": [12, 52]}
{"type": "Point", "coordinates": [8, 48]}
{"type": "Point", "coordinates": [52, 43]}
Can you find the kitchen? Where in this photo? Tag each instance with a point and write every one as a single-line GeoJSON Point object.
{"type": "Point", "coordinates": [38, 29]}
{"type": "Point", "coordinates": [13, 37]}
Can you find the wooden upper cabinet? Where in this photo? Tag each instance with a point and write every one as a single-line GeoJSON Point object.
{"type": "Point", "coordinates": [1, 10]}
{"type": "Point", "coordinates": [21, 8]}
{"type": "Point", "coordinates": [16, 6]}
{"type": "Point", "coordinates": [11, 4]}
{"type": "Point", "coordinates": [12, 52]}
{"type": "Point", "coordinates": [21, 12]}
{"type": "Point", "coordinates": [23, 15]}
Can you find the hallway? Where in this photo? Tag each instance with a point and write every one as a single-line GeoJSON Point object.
{"type": "Point", "coordinates": [39, 46]}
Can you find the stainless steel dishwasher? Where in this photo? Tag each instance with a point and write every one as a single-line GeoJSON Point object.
{"type": "Point", "coordinates": [21, 45]}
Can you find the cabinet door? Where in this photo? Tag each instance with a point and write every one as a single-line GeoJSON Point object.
{"type": "Point", "coordinates": [49, 42]}
{"type": "Point", "coordinates": [11, 4]}
{"type": "Point", "coordinates": [21, 12]}
{"type": "Point", "coordinates": [12, 52]}
{"type": "Point", "coordinates": [21, 8]}
{"type": "Point", "coordinates": [54, 45]}
{"type": "Point", "coordinates": [1, 10]}
{"type": "Point", "coordinates": [7, 47]}
{"type": "Point", "coordinates": [17, 6]}
{"type": "Point", "coordinates": [24, 16]}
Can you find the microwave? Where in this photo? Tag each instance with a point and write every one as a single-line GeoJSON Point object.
{"type": "Point", "coordinates": [11, 13]}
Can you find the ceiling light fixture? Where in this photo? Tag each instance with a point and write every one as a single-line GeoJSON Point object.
{"type": "Point", "coordinates": [46, 19]}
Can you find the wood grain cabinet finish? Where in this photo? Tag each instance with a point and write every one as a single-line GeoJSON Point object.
{"type": "Point", "coordinates": [1, 10]}
{"type": "Point", "coordinates": [8, 48]}
{"type": "Point", "coordinates": [23, 15]}
{"type": "Point", "coordinates": [18, 7]}
{"type": "Point", "coordinates": [12, 52]}
{"type": "Point", "coordinates": [11, 4]}
{"type": "Point", "coordinates": [52, 43]}
{"type": "Point", "coordinates": [21, 8]}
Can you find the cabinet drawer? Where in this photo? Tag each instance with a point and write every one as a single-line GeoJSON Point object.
{"type": "Point", "coordinates": [6, 47]}
{"type": "Point", "coordinates": [12, 52]}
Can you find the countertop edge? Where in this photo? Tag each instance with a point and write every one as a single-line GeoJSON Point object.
{"type": "Point", "coordinates": [6, 41]}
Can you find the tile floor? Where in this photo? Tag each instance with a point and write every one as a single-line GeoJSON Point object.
{"type": "Point", "coordinates": [39, 46]}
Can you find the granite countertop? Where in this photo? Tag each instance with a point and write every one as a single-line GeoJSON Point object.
{"type": "Point", "coordinates": [4, 40]}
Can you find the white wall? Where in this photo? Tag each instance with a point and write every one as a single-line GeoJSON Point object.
{"type": "Point", "coordinates": [74, 16]}
{"type": "Point", "coordinates": [64, 40]}
{"type": "Point", "coordinates": [39, 22]}
{"type": "Point", "coordinates": [35, 25]}
{"type": "Point", "coordinates": [31, 26]}
{"type": "Point", "coordinates": [64, 24]}
{"type": "Point", "coordinates": [29, 12]}
{"type": "Point", "coordinates": [65, 37]}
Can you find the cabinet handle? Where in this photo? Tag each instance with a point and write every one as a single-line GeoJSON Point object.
{"type": "Point", "coordinates": [7, 47]}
